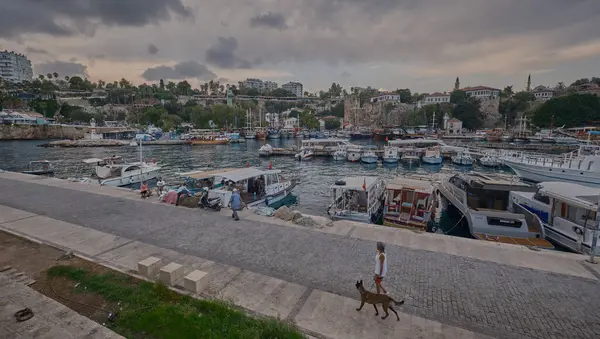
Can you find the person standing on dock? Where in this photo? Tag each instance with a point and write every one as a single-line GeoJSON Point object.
{"type": "Point", "coordinates": [236, 203]}
{"type": "Point", "coordinates": [380, 267]}
{"type": "Point", "coordinates": [161, 185]}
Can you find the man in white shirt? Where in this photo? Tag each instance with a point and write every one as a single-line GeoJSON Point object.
{"type": "Point", "coordinates": [160, 184]}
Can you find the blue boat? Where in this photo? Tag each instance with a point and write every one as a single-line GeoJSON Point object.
{"type": "Point", "coordinates": [368, 155]}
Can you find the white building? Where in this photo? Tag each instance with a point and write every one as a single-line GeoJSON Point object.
{"type": "Point", "coordinates": [434, 98]}
{"type": "Point", "coordinates": [295, 87]}
{"type": "Point", "coordinates": [290, 123]}
{"type": "Point", "coordinates": [386, 97]}
{"type": "Point", "coordinates": [15, 67]}
{"type": "Point", "coordinates": [269, 86]}
{"type": "Point", "coordinates": [482, 92]}
{"type": "Point", "coordinates": [454, 126]}
{"type": "Point", "coordinates": [543, 93]}
{"type": "Point", "coordinates": [272, 119]}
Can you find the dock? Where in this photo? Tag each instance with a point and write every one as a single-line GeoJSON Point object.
{"type": "Point", "coordinates": [452, 287]}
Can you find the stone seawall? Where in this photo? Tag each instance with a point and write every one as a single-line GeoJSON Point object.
{"type": "Point", "coordinates": [40, 132]}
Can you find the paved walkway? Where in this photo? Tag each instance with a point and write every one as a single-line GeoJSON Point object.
{"type": "Point", "coordinates": [481, 296]}
{"type": "Point", "coordinates": [51, 320]}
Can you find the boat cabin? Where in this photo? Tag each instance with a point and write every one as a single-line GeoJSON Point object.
{"type": "Point", "coordinates": [408, 203]}
{"type": "Point", "coordinates": [357, 199]}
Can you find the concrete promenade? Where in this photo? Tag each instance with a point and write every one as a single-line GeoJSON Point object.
{"type": "Point", "coordinates": [453, 287]}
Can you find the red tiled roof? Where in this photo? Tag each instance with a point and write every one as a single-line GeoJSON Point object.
{"type": "Point", "coordinates": [438, 94]}
{"type": "Point", "coordinates": [479, 88]}
{"type": "Point", "coordinates": [454, 120]}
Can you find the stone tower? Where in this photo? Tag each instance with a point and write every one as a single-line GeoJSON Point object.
{"type": "Point", "coordinates": [457, 84]}
{"type": "Point", "coordinates": [529, 83]}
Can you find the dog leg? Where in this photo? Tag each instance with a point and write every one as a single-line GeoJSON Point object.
{"type": "Point", "coordinates": [376, 310]}
{"type": "Point", "coordinates": [362, 303]}
{"type": "Point", "coordinates": [386, 312]}
{"type": "Point", "coordinates": [396, 313]}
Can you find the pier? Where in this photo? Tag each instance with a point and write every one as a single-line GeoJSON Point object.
{"type": "Point", "coordinates": [453, 287]}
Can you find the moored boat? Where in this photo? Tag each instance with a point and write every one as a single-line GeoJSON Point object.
{"type": "Point", "coordinates": [390, 154]}
{"type": "Point", "coordinates": [432, 156]}
{"type": "Point", "coordinates": [410, 155]}
{"type": "Point", "coordinates": [354, 153]}
{"type": "Point", "coordinates": [357, 199]}
{"type": "Point", "coordinates": [304, 154]}
{"type": "Point", "coordinates": [490, 160]}
{"type": "Point", "coordinates": [340, 153]}
{"type": "Point", "coordinates": [484, 203]}
{"type": "Point", "coordinates": [409, 203]}
{"type": "Point", "coordinates": [368, 155]}
{"type": "Point", "coordinates": [463, 158]}
{"type": "Point", "coordinates": [39, 167]}
{"type": "Point", "coordinates": [265, 150]}
{"type": "Point", "coordinates": [113, 171]}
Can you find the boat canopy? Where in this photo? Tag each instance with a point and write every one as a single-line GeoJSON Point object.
{"type": "Point", "coordinates": [410, 184]}
{"type": "Point", "coordinates": [356, 183]}
{"type": "Point", "coordinates": [572, 194]}
{"type": "Point", "coordinates": [233, 174]}
{"type": "Point", "coordinates": [207, 174]}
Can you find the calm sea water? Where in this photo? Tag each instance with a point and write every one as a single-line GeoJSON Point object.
{"type": "Point", "coordinates": [315, 176]}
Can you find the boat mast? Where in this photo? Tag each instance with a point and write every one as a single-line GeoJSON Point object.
{"type": "Point", "coordinates": [141, 157]}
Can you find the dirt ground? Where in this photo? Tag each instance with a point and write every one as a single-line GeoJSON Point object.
{"type": "Point", "coordinates": [34, 260]}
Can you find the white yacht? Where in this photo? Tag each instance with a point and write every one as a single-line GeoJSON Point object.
{"type": "Point", "coordinates": [484, 202]}
{"type": "Point", "coordinates": [463, 158]}
{"type": "Point", "coordinates": [390, 154]}
{"type": "Point", "coordinates": [354, 153]}
{"type": "Point", "coordinates": [113, 171]}
{"type": "Point", "coordinates": [567, 211]}
{"type": "Point", "coordinates": [410, 155]}
{"type": "Point", "coordinates": [432, 156]}
{"type": "Point", "coordinates": [340, 153]}
{"type": "Point", "coordinates": [305, 154]}
{"type": "Point", "coordinates": [581, 167]}
{"type": "Point", "coordinates": [265, 150]}
{"type": "Point", "coordinates": [368, 155]}
{"type": "Point", "coordinates": [490, 160]}
{"type": "Point", "coordinates": [357, 199]}
{"type": "Point", "coordinates": [256, 186]}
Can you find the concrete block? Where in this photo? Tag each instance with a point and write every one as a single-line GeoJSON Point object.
{"type": "Point", "coordinates": [149, 267]}
{"type": "Point", "coordinates": [171, 273]}
{"type": "Point", "coordinates": [196, 282]}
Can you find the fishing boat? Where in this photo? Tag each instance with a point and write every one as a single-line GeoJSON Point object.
{"type": "Point", "coordinates": [210, 140]}
{"type": "Point", "coordinates": [256, 186]}
{"type": "Point", "coordinates": [39, 167]}
{"type": "Point", "coordinates": [390, 154]}
{"type": "Point", "coordinates": [578, 167]}
{"type": "Point", "coordinates": [409, 203]}
{"type": "Point", "coordinates": [368, 155]}
{"type": "Point", "coordinates": [261, 135]}
{"type": "Point", "coordinates": [249, 135]}
{"type": "Point", "coordinates": [304, 154]}
{"type": "Point", "coordinates": [483, 201]}
{"type": "Point", "coordinates": [432, 156]}
{"type": "Point", "coordinates": [490, 160]}
{"type": "Point", "coordinates": [354, 152]}
{"type": "Point", "coordinates": [340, 153]}
{"type": "Point", "coordinates": [357, 199]}
{"type": "Point", "coordinates": [265, 150]}
{"type": "Point", "coordinates": [463, 158]}
{"type": "Point", "coordinates": [410, 155]}
{"type": "Point", "coordinates": [274, 134]}
{"type": "Point", "coordinates": [567, 212]}
{"type": "Point", "coordinates": [113, 171]}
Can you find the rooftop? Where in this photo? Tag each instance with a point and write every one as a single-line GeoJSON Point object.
{"type": "Point", "coordinates": [438, 94]}
{"type": "Point", "coordinates": [479, 88]}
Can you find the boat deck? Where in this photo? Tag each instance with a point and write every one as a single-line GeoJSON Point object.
{"type": "Point", "coordinates": [535, 242]}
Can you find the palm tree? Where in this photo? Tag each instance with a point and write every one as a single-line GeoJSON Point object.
{"type": "Point", "coordinates": [67, 78]}
{"type": "Point", "coordinates": [49, 76]}
{"type": "Point", "coordinates": [41, 77]}
{"type": "Point", "coordinates": [55, 75]}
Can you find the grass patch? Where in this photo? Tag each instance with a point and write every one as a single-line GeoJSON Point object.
{"type": "Point", "coordinates": [151, 310]}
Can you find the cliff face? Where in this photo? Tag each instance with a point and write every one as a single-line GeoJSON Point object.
{"type": "Point", "coordinates": [40, 132]}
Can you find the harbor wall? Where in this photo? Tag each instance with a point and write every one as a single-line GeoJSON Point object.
{"type": "Point", "coordinates": [40, 132]}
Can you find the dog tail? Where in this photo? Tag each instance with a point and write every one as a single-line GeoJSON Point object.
{"type": "Point", "coordinates": [397, 303]}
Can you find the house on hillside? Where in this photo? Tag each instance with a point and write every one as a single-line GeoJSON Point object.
{"type": "Point", "coordinates": [543, 93]}
{"type": "Point", "coordinates": [434, 98]}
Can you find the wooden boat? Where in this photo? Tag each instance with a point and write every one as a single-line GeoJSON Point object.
{"type": "Point", "coordinates": [409, 203]}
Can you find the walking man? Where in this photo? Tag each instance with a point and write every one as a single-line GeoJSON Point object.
{"type": "Point", "coordinates": [380, 267]}
{"type": "Point", "coordinates": [236, 203]}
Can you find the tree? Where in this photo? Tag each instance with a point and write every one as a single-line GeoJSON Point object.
{"type": "Point", "coordinates": [332, 124]}
{"type": "Point", "coordinates": [253, 92]}
{"type": "Point", "coordinates": [458, 96]}
{"type": "Point", "coordinates": [41, 76]}
{"type": "Point", "coordinates": [580, 82]}
{"type": "Point", "coordinates": [67, 78]}
{"type": "Point", "coordinates": [507, 92]}
{"type": "Point", "coordinates": [468, 112]}
{"type": "Point", "coordinates": [308, 119]}
{"type": "Point", "coordinates": [171, 86]}
{"type": "Point", "coordinates": [570, 110]}
{"type": "Point", "coordinates": [183, 87]}
{"type": "Point", "coordinates": [405, 95]}
{"type": "Point", "coordinates": [55, 75]}
{"type": "Point", "coordinates": [75, 82]}
{"type": "Point", "coordinates": [49, 76]}
{"type": "Point", "coordinates": [338, 110]}
{"type": "Point", "coordinates": [282, 93]}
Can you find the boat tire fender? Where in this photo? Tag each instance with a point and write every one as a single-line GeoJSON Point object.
{"type": "Point", "coordinates": [340, 183]}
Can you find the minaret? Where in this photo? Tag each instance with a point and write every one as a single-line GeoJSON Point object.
{"type": "Point", "coordinates": [529, 83]}
{"type": "Point", "coordinates": [457, 84]}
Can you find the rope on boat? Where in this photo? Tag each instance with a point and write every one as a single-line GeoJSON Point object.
{"type": "Point", "coordinates": [459, 220]}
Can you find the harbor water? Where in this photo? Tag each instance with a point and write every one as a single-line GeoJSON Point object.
{"type": "Point", "coordinates": [312, 195]}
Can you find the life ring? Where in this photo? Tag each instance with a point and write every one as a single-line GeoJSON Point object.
{"type": "Point", "coordinates": [24, 315]}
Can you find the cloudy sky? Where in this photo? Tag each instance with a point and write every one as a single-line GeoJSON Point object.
{"type": "Point", "coordinates": [420, 44]}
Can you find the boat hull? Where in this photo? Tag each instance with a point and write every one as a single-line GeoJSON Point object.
{"type": "Point", "coordinates": [390, 160]}
{"type": "Point", "coordinates": [541, 174]}
{"type": "Point", "coordinates": [432, 160]}
{"type": "Point", "coordinates": [339, 157]}
{"type": "Point", "coordinates": [210, 142]}
{"type": "Point", "coordinates": [132, 179]}
{"type": "Point", "coordinates": [369, 160]}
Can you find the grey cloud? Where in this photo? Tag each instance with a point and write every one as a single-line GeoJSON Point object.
{"type": "Point", "coordinates": [63, 68]}
{"type": "Point", "coordinates": [182, 70]}
{"type": "Point", "coordinates": [152, 49]}
{"type": "Point", "coordinates": [269, 20]}
{"type": "Point", "coordinates": [33, 50]}
{"type": "Point", "coordinates": [72, 17]}
{"type": "Point", "coordinates": [222, 54]}
{"type": "Point", "coordinates": [346, 74]}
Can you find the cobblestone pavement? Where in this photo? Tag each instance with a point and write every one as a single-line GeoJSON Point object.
{"type": "Point", "coordinates": [493, 299]}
